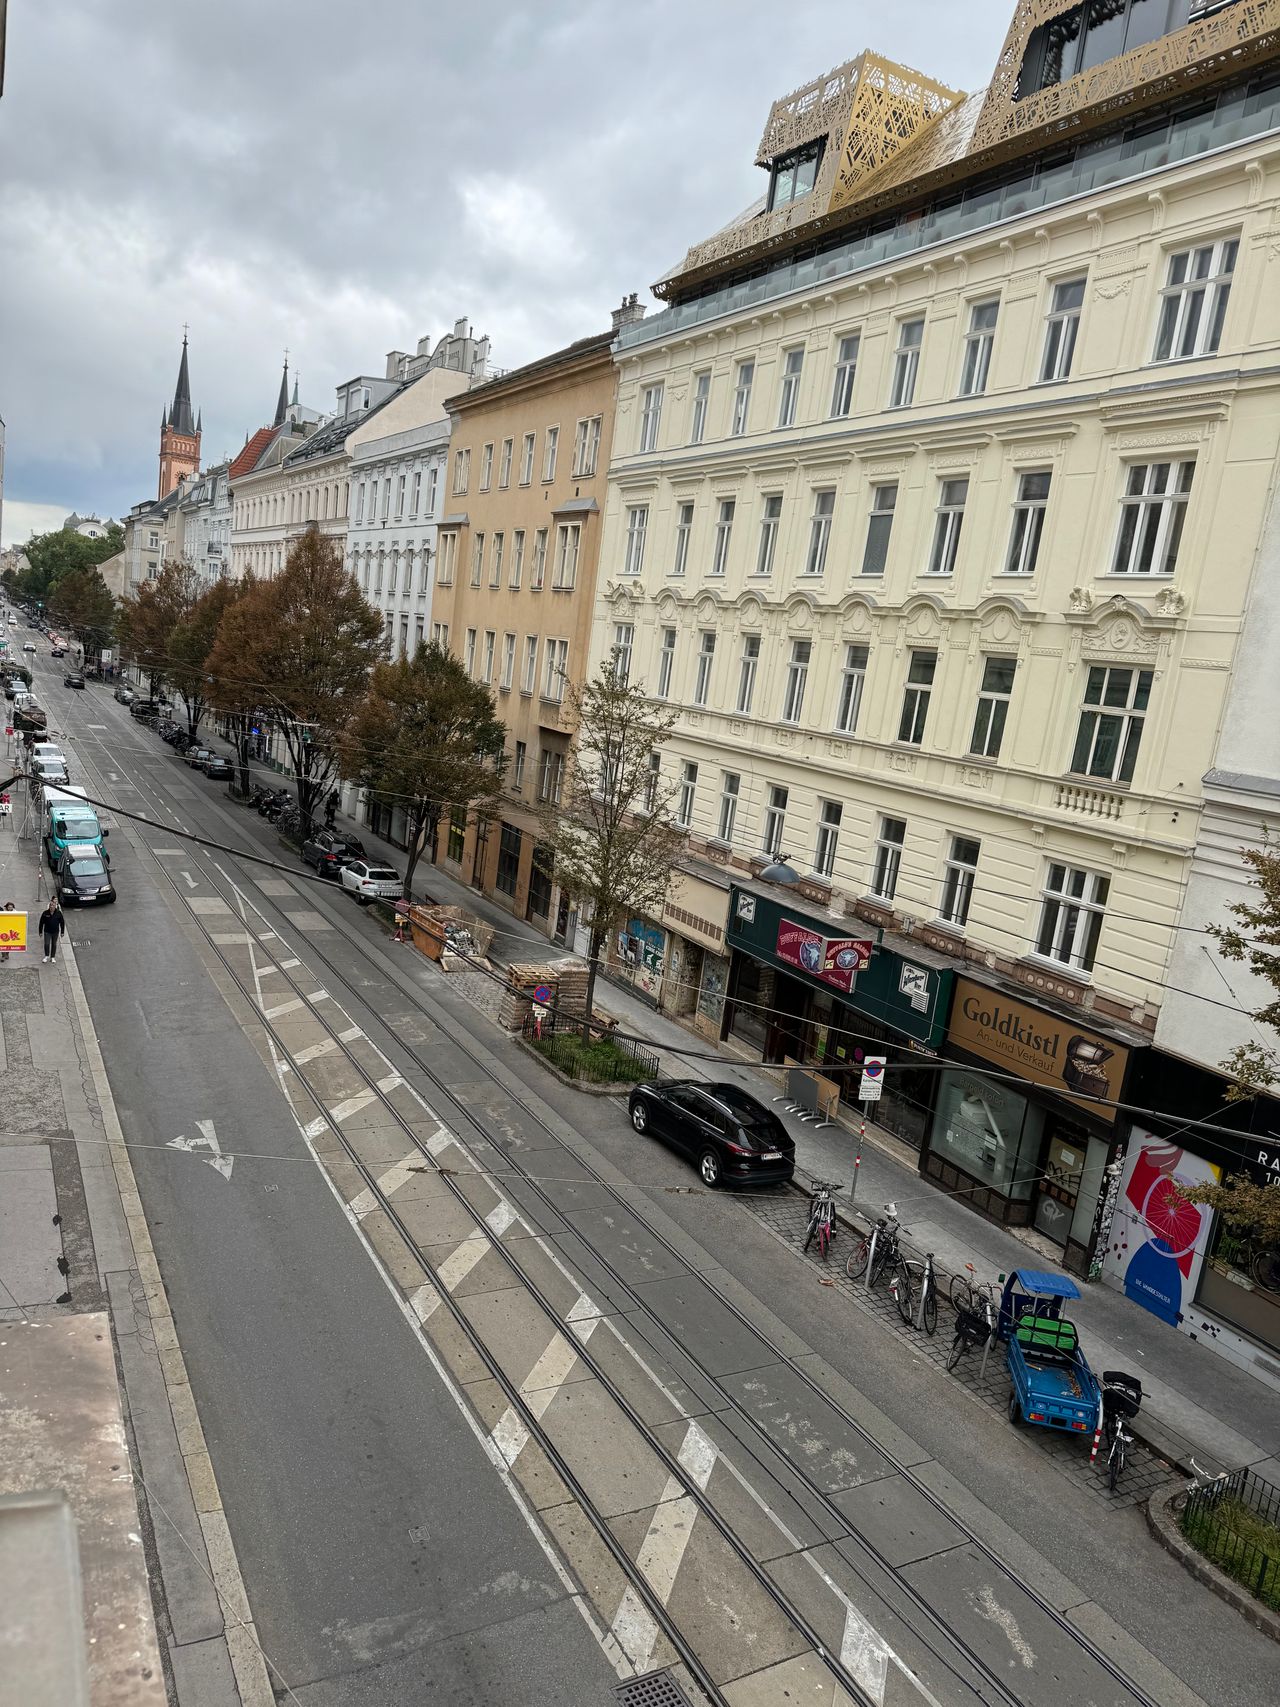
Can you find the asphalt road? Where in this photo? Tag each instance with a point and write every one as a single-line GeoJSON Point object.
{"type": "Point", "coordinates": [371, 1527]}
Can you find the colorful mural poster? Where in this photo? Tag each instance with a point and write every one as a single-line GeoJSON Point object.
{"type": "Point", "coordinates": [1158, 1239]}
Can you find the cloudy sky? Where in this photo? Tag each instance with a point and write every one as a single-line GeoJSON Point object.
{"type": "Point", "coordinates": [342, 180]}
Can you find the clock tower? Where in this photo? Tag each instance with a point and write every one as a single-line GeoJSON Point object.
{"type": "Point", "coordinates": [179, 434]}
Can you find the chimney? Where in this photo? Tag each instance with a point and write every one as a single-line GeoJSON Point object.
{"type": "Point", "coordinates": [395, 363]}
{"type": "Point", "coordinates": [461, 328]}
{"type": "Point", "coordinates": [632, 309]}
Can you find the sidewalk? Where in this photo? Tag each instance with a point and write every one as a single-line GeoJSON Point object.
{"type": "Point", "coordinates": [1195, 1403]}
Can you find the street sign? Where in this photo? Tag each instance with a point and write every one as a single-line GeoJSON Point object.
{"type": "Point", "coordinates": [872, 1082]}
{"type": "Point", "coordinates": [542, 994]}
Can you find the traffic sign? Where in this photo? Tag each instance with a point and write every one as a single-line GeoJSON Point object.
{"type": "Point", "coordinates": [872, 1083]}
{"type": "Point", "coordinates": [542, 994]}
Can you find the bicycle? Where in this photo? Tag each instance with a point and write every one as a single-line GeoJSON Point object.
{"type": "Point", "coordinates": [974, 1327]}
{"type": "Point", "coordinates": [877, 1248]}
{"type": "Point", "coordinates": [822, 1216]}
{"type": "Point", "coordinates": [1121, 1400]}
{"type": "Point", "coordinates": [970, 1294]}
{"type": "Point", "coordinates": [916, 1307]}
{"type": "Point", "coordinates": [1201, 1482]}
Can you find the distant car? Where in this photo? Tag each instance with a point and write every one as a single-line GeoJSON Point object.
{"type": "Point", "coordinates": [49, 770]}
{"type": "Point", "coordinates": [198, 756]}
{"type": "Point", "coordinates": [13, 685]}
{"type": "Point", "coordinates": [144, 710]}
{"type": "Point", "coordinates": [727, 1134]}
{"type": "Point", "coordinates": [369, 882]}
{"type": "Point", "coordinates": [73, 679]}
{"type": "Point", "coordinates": [218, 769]}
{"type": "Point", "coordinates": [329, 851]}
{"type": "Point", "coordinates": [58, 652]}
{"type": "Point", "coordinates": [28, 645]}
{"type": "Point", "coordinates": [82, 877]}
{"type": "Point", "coordinates": [125, 695]}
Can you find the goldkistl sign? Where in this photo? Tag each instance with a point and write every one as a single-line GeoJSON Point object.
{"type": "Point", "coordinates": [1041, 1046]}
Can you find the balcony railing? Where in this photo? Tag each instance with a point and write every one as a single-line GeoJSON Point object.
{"type": "Point", "coordinates": [1089, 802]}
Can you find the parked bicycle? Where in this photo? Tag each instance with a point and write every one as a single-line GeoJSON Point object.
{"type": "Point", "coordinates": [914, 1288]}
{"type": "Point", "coordinates": [822, 1216]}
{"type": "Point", "coordinates": [878, 1249]}
{"type": "Point", "coordinates": [975, 1323]}
{"type": "Point", "coordinates": [1121, 1400]}
{"type": "Point", "coordinates": [970, 1294]}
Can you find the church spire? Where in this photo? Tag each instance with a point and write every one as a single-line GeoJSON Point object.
{"type": "Point", "coordinates": [282, 402]}
{"type": "Point", "coordinates": [180, 415]}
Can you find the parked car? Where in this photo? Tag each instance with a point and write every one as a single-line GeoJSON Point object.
{"type": "Point", "coordinates": [369, 882]}
{"type": "Point", "coordinates": [58, 652]}
{"type": "Point", "coordinates": [125, 695]}
{"type": "Point", "coordinates": [145, 710]}
{"type": "Point", "coordinates": [13, 685]}
{"type": "Point", "coordinates": [198, 755]}
{"type": "Point", "coordinates": [82, 877]}
{"type": "Point", "coordinates": [728, 1135]}
{"type": "Point", "coordinates": [218, 769]}
{"type": "Point", "coordinates": [329, 851]}
{"type": "Point", "coordinates": [50, 769]}
{"type": "Point", "coordinates": [73, 679]}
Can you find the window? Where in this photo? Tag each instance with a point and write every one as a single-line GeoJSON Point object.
{"type": "Point", "coordinates": [557, 661]}
{"type": "Point", "coordinates": [701, 398]}
{"type": "Point", "coordinates": [993, 707]}
{"type": "Point", "coordinates": [637, 526]}
{"type": "Point", "coordinates": [742, 397]}
{"type": "Point", "coordinates": [495, 567]}
{"type": "Point", "coordinates": [1152, 512]}
{"type": "Point", "coordinates": [846, 372]}
{"type": "Point", "coordinates": [550, 775]}
{"type": "Point", "coordinates": [852, 681]}
{"type": "Point", "coordinates": [530, 675]}
{"type": "Point", "coordinates": [360, 502]}
{"type": "Point", "coordinates": [526, 459]}
{"type": "Point", "coordinates": [884, 501]}
{"type": "Point", "coordinates": [508, 661]}
{"type": "Point", "coordinates": [724, 531]}
{"type": "Point", "coordinates": [706, 659]}
{"type": "Point", "coordinates": [684, 529]}
{"type": "Point", "coordinates": [1098, 30]}
{"type": "Point", "coordinates": [977, 348]}
{"type": "Point", "coordinates": [386, 499]}
{"type": "Point", "coordinates": [792, 366]}
{"type": "Point", "coordinates": [747, 673]}
{"type": "Point", "coordinates": [946, 529]}
{"type": "Point", "coordinates": [433, 481]}
{"type": "Point", "coordinates": [957, 881]}
{"type": "Point", "coordinates": [624, 635]}
{"type": "Point", "coordinates": [549, 453]}
{"type": "Point", "coordinates": [797, 680]}
{"type": "Point", "coordinates": [486, 468]}
{"type": "Point", "coordinates": [568, 538]}
{"type": "Point", "coordinates": [1028, 523]}
{"type": "Point", "coordinates": [1115, 704]}
{"type": "Point", "coordinates": [517, 558]}
{"type": "Point", "coordinates": [538, 574]}
{"type": "Point", "coordinates": [415, 499]}
{"type": "Point", "coordinates": [824, 507]}
{"type": "Point", "coordinates": [447, 558]}
{"type": "Point", "coordinates": [1061, 328]}
{"type": "Point", "coordinates": [906, 363]}
{"type": "Point", "coordinates": [586, 447]}
{"type": "Point", "coordinates": [1071, 914]}
{"type": "Point", "coordinates": [440, 635]}
{"type": "Point", "coordinates": [490, 647]}
{"type": "Point", "coordinates": [666, 662]}
{"type": "Point", "coordinates": [652, 782]}
{"type": "Point", "coordinates": [504, 463]}
{"type": "Point", "coordinates": [684, 800]}
{"type": "Point", "coordinates": [650, 416]}
{"type": "Point", "coordinates": [769, 533]}
{"type": "Point", "coordinates": [793, 174]}
{"type": "Point", "coordinates": [400, 486]}
{"type": "Point", "coordinates": [477, 560]}
{"type": "Point", "coordinates": [888, 858]}
{"type": "Point", "coordinates": [730, 787]}
{"type": "Point", "coordinates": [830, 813]}
{"type": "Point", "coordinates": [508, 872]}
{"type": "Point", "coordinates": [775, 819]}
{"type": "Point", "coordinates": [915, 699]}
{"type": "Point", "coordinates": [461, 473]}
{"type": "Point", "coordinates": [457, 835]}
{"type": "Point", "coordinates": [469, 656]}
{"type": "Point", "coordinates": [519, 763]}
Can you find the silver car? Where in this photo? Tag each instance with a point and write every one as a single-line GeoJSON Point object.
{"type": "Point", "coordinates": [370, 882]}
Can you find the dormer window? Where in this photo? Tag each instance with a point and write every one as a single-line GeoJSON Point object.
{"type": "Point", "coordinates": [1098, 30]}
{"type": "Point", "coordinates": [793, 174]}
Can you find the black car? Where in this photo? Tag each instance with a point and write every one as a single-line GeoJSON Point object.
{"type": "Point", "coordinates": [724, 1131]}
{"type": "Point", "coordinates": [57, 652]}
{"type": "Point", "coordinates": [82, 877]}
{"type": "Point", "coordinates": [73, 679]}
{"type": "Point", "coordinates": [145, 710]}
{"type": "Point", "coordinates": [218, 769]}
{"type": "Point", "coordinates": [329, 851]}
{"type": "Point", "coordinates": [198, 755]}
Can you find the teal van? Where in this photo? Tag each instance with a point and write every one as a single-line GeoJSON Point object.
{"type": "Point", "coordinates": [68, 818]}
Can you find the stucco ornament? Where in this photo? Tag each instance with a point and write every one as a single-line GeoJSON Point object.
{"type": "Point", "coordinates": [1170, 602]}
{"type": "Point", "coordinates": [1080, 599]}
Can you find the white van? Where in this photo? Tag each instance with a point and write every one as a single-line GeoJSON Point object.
{"type": "Point", "coordinates": [47, 750]}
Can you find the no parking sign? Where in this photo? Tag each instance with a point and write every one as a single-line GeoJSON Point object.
{"type": "Point", "coordinates": [872, 1082]}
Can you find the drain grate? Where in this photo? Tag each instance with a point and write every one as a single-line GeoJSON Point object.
{"type": "Point", "coordinates": [654, 1689]}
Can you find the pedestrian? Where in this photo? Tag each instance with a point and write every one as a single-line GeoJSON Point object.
{"type": "Point", "coordinates": [51, 926]}
{"type": "Point", "coordinates": [331, 809]}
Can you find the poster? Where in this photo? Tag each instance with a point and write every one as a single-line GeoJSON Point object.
{"type": "Point", "coordinates": [834, 960]}
{"type": "Point", "coordinates": [1157, 1241]}
{"type": "Point", "coordinates": [13, 932]}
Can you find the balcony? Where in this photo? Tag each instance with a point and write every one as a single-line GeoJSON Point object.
{"type": "Point", "coordinates": [1083, 802]}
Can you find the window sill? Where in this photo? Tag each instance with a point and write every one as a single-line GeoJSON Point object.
{"type": "Point", "coordinates": [1132, 575]}
{"type": "Point", "coordinates": [1102, 784]}
{"type": "Point", "coordinates": [1060, 968]}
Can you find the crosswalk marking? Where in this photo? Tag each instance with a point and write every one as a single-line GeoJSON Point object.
{"type": "Point", "coordinates": [388, 1184]}
{"type": "Point", "coordinates": [344, 1110]}
{"type": "Point", "coordinates": [282, 1008]}
{"type": "Point", "coordinates": [313, 1050]}
{"type": "Point", "coordinates": [458, 1264]}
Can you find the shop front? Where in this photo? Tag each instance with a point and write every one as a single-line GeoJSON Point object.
{"type": "Point", "coordinates": [817, 989]}
{"type": "Point", "coordinates": [1023, 1145]}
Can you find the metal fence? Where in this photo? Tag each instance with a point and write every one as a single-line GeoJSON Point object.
{"type": "Point", "coordinates": [604, 1060]}
{"type": "Point", "coordinates": [1235, 1523]}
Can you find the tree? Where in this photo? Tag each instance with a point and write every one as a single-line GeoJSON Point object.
{"type": "Point", "coordinates": [149, 616]}
{"type": "Point", "coordinates": [308, 651]}
{"type": "Point", "coordinates": [426, 738]}
{"type": "Point", "coordinates": [83, 603]}
{"type": "Point", "coordinates": [190, 647]}
{"type": "Point", "coordinates": [53, 555]}
{"type": "Point", "coordinates": [1243, 1204]}
{"type": "Point", "coordinates": [1255, 940]}
{"type": "Point", "coordinates": [237, 700]}
{"type": "Point", "coordinates": [613, 837]}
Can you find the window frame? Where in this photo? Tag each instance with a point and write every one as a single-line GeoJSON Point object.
{"type": "Point", "coordinates": [504, 464]}
{"type": "Point", "coordinates": [565, 574]}
{"type": "Point", "coordinates": [748, 670]}
{"type": "Point", "coordinates": [827, 840]}
{"type": "Point", "coordinates": [1062, 331]}
{"type": "Point", "coordinates": [550, 452]}
{"type": "Point", "coordinates": [876, 513]}
{"type": "Point", "coordinates": [774, 822]}
{"type": "Point", "coordinates": [845, 375]}
{"type": "Point", "coordinates": [1026, 531]}
{"type": "Point", "coordinates": [1213, 288]}
{"type": "Point", "coordinates": [744, 379]}
{"type": "Point", "coordinates": [684, 534]}
{"type": "Point", "coordinates": [917, 694]}
{"type": "Point", "coordinates": [727, 511]}
{"type": "Point", "coordinates": [1105, 722]}
{"type": "Point", "coordinates": [948, 525]}
{"type": "Point", "coordinates": [704, 666]}
{"type": "Point", "coordinates": [979, 342]}
{"type": "Point", "coordinates": [636, 534]}
{"type": "Point", "coordinates": [796, 685]}
{"type": "Point", "coordinates": [906, 364]}
{"type": "Point", "coordinates": [992, 710]}
{"type": "Point", "coordinates": [820, 525]}
{"type": "Point", "coordinates": [730, 798]}
{"type": "Point", "coordinates": [1071, 918]}
{"type": "Point", "coordinates": [699, 406]}
{"type": "Point", "coordinates": [650, 416]}
{"type": "Point", "coordinates": [886, 859]}
{"type": "Point", "coordinates": [1170, 525]}
{"type": "Point", "coordinates": [959, 876]}
{"type": "Point", "coordinates": [686, 795]}
{"type": "Point", "coordinates": [486, 468]}
{"type": "Point", "coordinates": [770, 523]}
{"type": "Point", "coordinates": [528, 451]}
{"type": "Point", "coordinates": [789, 395]}
{"type": "Point", "coordinates": [853, 683]}
{"type": "Point", "coordinates": [666, 661]}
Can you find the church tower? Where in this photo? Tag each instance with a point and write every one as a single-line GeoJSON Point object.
{"type": "Point", "coordinates": [179, 434]}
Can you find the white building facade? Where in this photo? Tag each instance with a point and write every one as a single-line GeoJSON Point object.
{"type": "Point", "coordinates": [204, 513]}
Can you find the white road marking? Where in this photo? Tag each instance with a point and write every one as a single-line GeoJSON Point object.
{"type": "Point", "coordinates": [440, 1141]}
{"type": "Point", "coordinates": [168, 853]}
{"type": "Point", "coordinates": [188, 879]}
{"type": "Point", "coordinates": [424, 1300]}
{"type": "Point", "coordinates": [316, 1127]}
{"type": "Point", "coordinates": [289, 965]}
{"type": "Point", "coordinates": [864, 1654]}
{"type": "Point", "coordinates": [390, 1082]}
{"type": "Point", "coordinates": [539, 1387]}
{"type": "Point", "coordinates": [350, 1034]}
{"type": "Point", "coordinates": [208, 1140]}
{"type": "Point", "coordinates": [312, 1051]}
{"type": "Point", "coordinates": [660, 1556]}
{"type": "Point", "coordinates": [344, 1110]}
{"type": "Point", "coordinates": [388, 1184]}
{"type": "Point", "coordinates": [282, 1008]}
{"type": "Point", "coordinates": [500, 1217]}
{"type": "Point", "coordinates": [458, 1264]}
{"type": "Point", "coordinates": [318, 996]}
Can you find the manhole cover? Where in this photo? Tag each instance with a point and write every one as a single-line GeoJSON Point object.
{"type": "Point", "coordinates": [655, 1689]}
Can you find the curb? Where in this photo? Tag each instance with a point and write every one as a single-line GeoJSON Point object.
{"type": "Point", "coordinates": [582, 1085]}
{"type": "Point", "coordinates": [247, 1662]}
{"type": "Point", "coordinates": [1164, 1526]}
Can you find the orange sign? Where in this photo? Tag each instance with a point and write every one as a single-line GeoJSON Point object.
{"type": "Point", "coordinates": [13, 932]}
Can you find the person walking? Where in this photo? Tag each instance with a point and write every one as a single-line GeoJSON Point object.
{"type": "Point", "coordinates": [51, 926]}
{"type": "Point", "coordinates": [331, 809]}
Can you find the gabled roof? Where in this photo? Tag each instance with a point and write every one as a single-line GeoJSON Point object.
{"type": "Point", "coordinates": [248, 457]}
{"type": "Point", "coordinates": [597, 343]}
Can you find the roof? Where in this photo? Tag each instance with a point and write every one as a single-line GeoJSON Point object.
{"type": "Point", "coordinates": [597, 343]}
{"type": "Point", "coordinates": [330, 438]}
{"type": "Point", "coordinates": [1045, 1285]}
{"type": "Point", "coordinates": [180, 415]}
{"type": "Point", "coordinates": [248, 457]}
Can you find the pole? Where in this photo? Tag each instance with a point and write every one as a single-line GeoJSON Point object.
{"type": "Point", "coordinates": [857, 1160]}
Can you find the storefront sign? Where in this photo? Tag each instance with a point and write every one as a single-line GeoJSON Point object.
{"type": "Point", "coordinates": [1158, 1240]}
{"type": "Point", "coordinates": [835, 960]}
{"type": "Point", "coordinates": [13, 931]}
{"type": "Point", "coordinates": [1038, 1045]}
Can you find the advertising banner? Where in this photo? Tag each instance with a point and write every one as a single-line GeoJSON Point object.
{"type": "Point", "coordinates": [13, 932]}
{"type": "Point", "coordinates": [1039, 1045]}
{"type": "Point", "coordinates": [833, 960]}
{"type": "Point", "coordinates": [1157, 1244]}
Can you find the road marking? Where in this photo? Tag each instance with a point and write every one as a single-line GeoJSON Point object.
{"type": "Point", "coordinates": [188, 879]}
{"type": "Point", "coordinates": [500, 1217]}
{"type": "Point", "coordinates": [539, 1387]}
{"type": "Point", "coordinates": [388, 1184]}
{"type": "Point", "coordinates": [864, 1654]}
{"type": "Point", "coordinates": [390, 1082]}
{"type": "Point", "coordinates": [289, 1007]}
{"type": "Point", "coordinates": [313, 1050]}
{"type": "Point", "coordinates": [288, 965]}
{"type": "Point", "coordinates": [350, 1034]}
{"type": "Point", "coordinates": [424, 1301]}
{"type": "Point", "coordinates": [316, 1127]}
{"type": "Point", "coordinates": [168, 853]}
{"type": "Point", "coordinates": [237, 937]}
{"type": "Point", "coordinates": [97, 726]}
{"type": "Point", "coordinates": [439, 1141]}
{"type": "Point", "coordinates": [344, 1110]}
{"type": "Point", "coordinates": [112, 777]}
{"type": "Point", "coordinates": [458, 1264]}
{"type": "Point", "coordinates": [318, 996]}
{"type": "Point", "coordinates": [208, 1140]}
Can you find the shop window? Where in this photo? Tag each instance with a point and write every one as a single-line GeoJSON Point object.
{"type": "Point", "coordinates": [989, 1131]}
